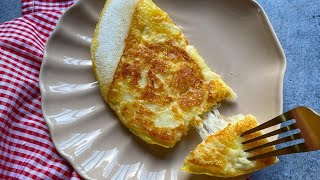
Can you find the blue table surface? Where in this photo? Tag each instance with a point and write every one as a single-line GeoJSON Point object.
{"type": "Point", "coordinates": [297, 25]}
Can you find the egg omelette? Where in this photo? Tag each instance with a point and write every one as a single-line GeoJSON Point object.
{"type": "Point", "coordinates": [222, 155]}
{"type": "Point", "coordinates": [156, 82]}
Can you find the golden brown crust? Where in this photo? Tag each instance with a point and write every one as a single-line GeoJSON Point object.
{"type": "Point", "coordinates": [137, 117]}
{"type": "Point", "coordinates": [157, 74]}
{"type": "Point", "coordinates": [219, 155]}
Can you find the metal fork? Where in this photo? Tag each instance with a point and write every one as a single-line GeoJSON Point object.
{"type": "Point", "coordinates": [306, 120]}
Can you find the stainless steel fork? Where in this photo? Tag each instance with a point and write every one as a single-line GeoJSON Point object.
{"type": "Point", "coordinates": [303, 122]}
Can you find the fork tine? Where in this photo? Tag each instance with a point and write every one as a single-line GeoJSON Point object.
{"type": "Point", "coordinates": [272, 133]}
{"type": "Point", "coordinates": [272, 122]}
{"type": "Point", "coordinates": [278, 141]}
{"type": "Point", "coordinates": [287, 150]}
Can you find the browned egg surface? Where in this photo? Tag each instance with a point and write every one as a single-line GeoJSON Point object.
{"type": "Point", "coordinates": [161, 85]}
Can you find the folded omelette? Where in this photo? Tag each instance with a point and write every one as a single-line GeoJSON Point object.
{"type": "Point", "coordinates": [156, 82]}
{"type": "Point", "coordinates": [159, 86]}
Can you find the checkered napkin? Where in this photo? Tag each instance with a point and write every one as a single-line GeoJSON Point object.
{"type": "Point", "coordinates": [26, 149]}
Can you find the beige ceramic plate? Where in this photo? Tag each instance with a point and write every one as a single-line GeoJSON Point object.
{"type": "Point", "coordinates": [234, 37]}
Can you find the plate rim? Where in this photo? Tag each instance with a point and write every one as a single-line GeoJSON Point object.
{"type": "Point", "coordinates": [282, 60]}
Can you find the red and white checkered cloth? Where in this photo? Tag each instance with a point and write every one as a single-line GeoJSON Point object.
{"type": "Point", "coordinates": [26, 149]}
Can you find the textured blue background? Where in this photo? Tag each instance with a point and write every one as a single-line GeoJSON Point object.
{"type": "Point", "coordinates": [297, 25]}
{"type": "Point", "coordinates": [9, 9]}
